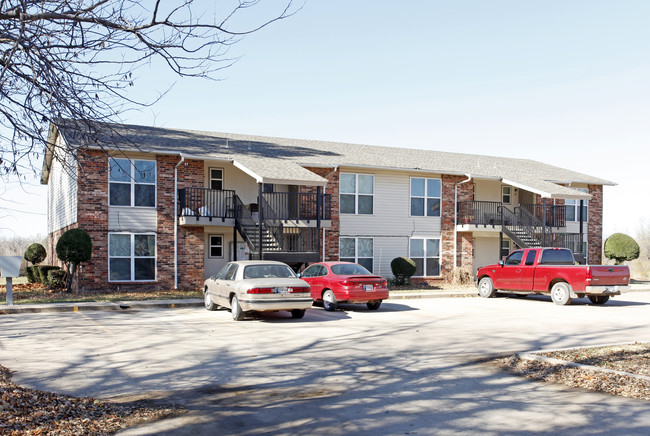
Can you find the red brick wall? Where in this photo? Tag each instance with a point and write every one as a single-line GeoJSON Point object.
{"type": "Point", "coordinates": [92, 216]}
{"type": "Point", "coordinates": [595, 225]}
{"type": "Point", "coordinates": [448, 213]}
{"type": "Point", "coordinates": [191, 250]}
{"type": "Point", "coordinates": [331, 234]}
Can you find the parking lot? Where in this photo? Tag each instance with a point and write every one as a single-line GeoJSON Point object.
{"type": "Point", "coordinates": [413, 367]}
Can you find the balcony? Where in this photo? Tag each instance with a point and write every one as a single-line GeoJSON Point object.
{"type": "Point", "coordinates": [490, 213]}
{"type": "Point", "coordinates": [201, 206]}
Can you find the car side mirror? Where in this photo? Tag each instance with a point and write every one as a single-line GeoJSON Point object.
{"type": "Point", "coordinates": [213, 278]}
{"type": "Point", "coordinates": [501, 263]}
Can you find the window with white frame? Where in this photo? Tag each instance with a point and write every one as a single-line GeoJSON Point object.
{"type": "Point", "coordinates": [215, 246]}
{"type": "Point", "coordinates": [506, 194]}
{"type": "Point", "coordinates": [505, 248]}
{"type": "Point", "coordinates": [216, 178]}
{"type": "Point", "coordinates": [132, 182]}
{"type": "Point", "coordinates": [425, 252]}
{"type": "Point", "coordinates": [425, 196]}
{"type": "Point", "coordinates": [357, 250]}
{"type": "Point", "coordinates": [131, 257]}
{"type": "Point", "coordinates": [356, 193]}
{"type": "Point", "coordinates": [572, 208]}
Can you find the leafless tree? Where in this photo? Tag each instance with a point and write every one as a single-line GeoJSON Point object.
{"type": "Point", "coordinates": [77, 59]}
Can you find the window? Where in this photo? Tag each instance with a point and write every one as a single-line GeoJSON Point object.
{"type": "Point", "coordinates": [132, 183]}
{"type": "Point", "coordinates": [357, 250]}
{"type": "Point", "coordinates": [425, 197]}
{"type": "Point", "coordinates": [131, 257]}
{"type": "Point", "coordinates": [314, 271]}
{"type": "Point", "coordinates": [216, 178]}
{"type": "Point", "coordinates": [425, 252]}
{"type": "Point", "coordinates": [215, 247]}
{"type": "Point", "coordinates": [530, 257]}
{"type": "Point", "coordinates": [356, 193]}
{"type": "Point", "coordinates": [572, 208]}
{"type": "Point", "coordinates": [505, 248]}
{"type": "Point", "coordinates": [515, 258]}
{"type": "Point", "coordinates": [506, 194]}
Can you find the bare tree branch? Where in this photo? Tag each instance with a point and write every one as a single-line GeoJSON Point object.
{"type": "Point", "coordinates": [76, 59]}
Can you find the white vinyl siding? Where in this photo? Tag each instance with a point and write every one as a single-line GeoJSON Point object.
{"type": "Point", "coordinates": [137, 219]}
{"type": "Point", "coordinates": [62, 191]}
{"type": "Point", "coordinates": [391, 215]}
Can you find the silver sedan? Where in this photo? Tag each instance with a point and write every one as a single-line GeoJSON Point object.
{"type": "Point", "coordinates": [257, 286]}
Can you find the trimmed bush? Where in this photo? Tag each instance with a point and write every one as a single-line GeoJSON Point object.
{"type": "Point", "coordinates": [56, 278]}
{"type": "Point", "coordinates": [621, 247]}
{"type": "Point", "coordinates": [403, 268]}
{"type": "Point", "coordinates": [31, 274]}
{"type": "Point", "coordinates": [42, 273]}
{"type": "Point", "coordinates": [35, 253]}
{"type": "Point", "coordinates": [73, 248]}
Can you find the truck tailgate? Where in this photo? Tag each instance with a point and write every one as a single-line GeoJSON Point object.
{"type": "Point", "coordinates": [605, 275]}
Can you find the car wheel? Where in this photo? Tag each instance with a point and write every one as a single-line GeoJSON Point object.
{"type": "Point", "coordinates": [599, 299]}
{"type": "Point", "coordinates": [237, 313]}
{"type": "Point", "coordinates": [297, 313]}
{"type": "Point", "coordinates": [560, 294]}
{"type": "Point", "coordinates": [486, 288]}
{"type": "Point", "coordinates": [329, 301]}
{"type": "Point", "coordinates": [209, 304]}
{"type": "Point", "coordinates": [373, 305]}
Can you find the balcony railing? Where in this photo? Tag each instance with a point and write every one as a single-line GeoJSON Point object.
{"type": "Point", "coordinates": [487, 213]}
{"type": "Point", "coordinates": [202, 202]}
{"type": "Point", "coordinates": [297, 206]}
{"type": "Point", "coordinates": [555, 214]}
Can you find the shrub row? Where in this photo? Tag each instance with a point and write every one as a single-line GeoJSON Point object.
{"type": "Point", "coordinates": [48, 275]}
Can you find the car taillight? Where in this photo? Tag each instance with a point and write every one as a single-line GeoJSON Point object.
{"type": "Point", "coordinates": [589, 277]}
{"type": "Point", "coordinates": [346, 283]}
{"type": "Point", "coordinates": [383, 283]}
{"type": "Point", "coordinates": [260, 291]}
{"type": "Point", "coordinates": [299, 290]}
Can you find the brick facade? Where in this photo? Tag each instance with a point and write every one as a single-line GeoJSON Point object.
{"type": "Point", "coordinates": [331, 234]}
{"type": "Point", "coordinates": [595, 225]}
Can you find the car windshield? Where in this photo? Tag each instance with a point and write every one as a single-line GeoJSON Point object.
{"type": "Point", "coordinates": [265, 271]}
{"type": "Point", "coordinates": [347, 269]}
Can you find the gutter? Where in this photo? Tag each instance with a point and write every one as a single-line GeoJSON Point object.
{"type": "Point", "coordinates": [176, 220]}
{"type": "Point", "coordinates": [469, 177]}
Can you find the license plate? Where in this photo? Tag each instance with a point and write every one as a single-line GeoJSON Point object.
{"type": "Point", "coordinates": [283, 290]}
{"type": "Point", "coordinates": [368, 288]}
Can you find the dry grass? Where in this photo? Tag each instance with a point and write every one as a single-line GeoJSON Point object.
{"type": "Point", "coordinates": [33, 293]}
{"type": "Point", "coordinates": [631, 358]}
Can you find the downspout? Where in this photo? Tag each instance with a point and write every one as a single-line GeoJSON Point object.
{"type": "Point", "coordinates": [176, 220]}
{"type": "Point", "coordinates": [469, 177]}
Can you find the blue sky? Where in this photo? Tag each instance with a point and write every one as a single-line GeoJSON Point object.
{"type": "Point", "coordinates": [562, 82]}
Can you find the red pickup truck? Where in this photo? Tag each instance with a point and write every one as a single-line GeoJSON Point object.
{"type": "Point", "coordinates": [551, 271]}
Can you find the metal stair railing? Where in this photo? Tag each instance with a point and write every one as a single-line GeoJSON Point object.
{"type": "Point", "coordinates": [521, 232]}
{"type": "Point", "coordinates": [244, 220]}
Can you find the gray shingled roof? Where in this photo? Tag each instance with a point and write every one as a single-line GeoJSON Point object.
{"type": "Point", "coordinates": [282, 160]}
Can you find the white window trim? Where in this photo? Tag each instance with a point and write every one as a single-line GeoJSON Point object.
{"type": "Point", "coordinates": [425, 197]}
{"type": "Point", "coordinates": [132, 183]}
{"type": "Point", "coordinates": [576, 208]}
{"type": "Point", "coordinates": [132, 257]}
{"type": "Point", "coordinates": [503, 187]}
{"type": "Point", "coordinates": [356, 250]}
{"type": "Point", "coordinates": [210, 178]}
{"type": "Point", "coordinates": [424, 263]}
{"type": "Point", "coordinates": [357, 194]}
{"type": "Point", "coordinates": [210, 256]}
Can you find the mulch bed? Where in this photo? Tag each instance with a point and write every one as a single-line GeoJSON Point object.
{"type": "Point", "coordinates": [25, 411]}
{"type": "Point", "coordinates": [629, 358]}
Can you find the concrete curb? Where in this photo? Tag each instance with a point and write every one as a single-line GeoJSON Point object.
{"type": "Point", "coordinates": [173, 304]}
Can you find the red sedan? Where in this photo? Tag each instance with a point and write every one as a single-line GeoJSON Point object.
{"type": "Point", "coordinates": [344, 282]}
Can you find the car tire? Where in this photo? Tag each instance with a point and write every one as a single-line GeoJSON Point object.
{"type": "Point", "coordinates": [297, 313]}
{"type": "Point", "coordinates": [329, 301]}
{"type": "Point", "coordinates": [237, 313]}
{"type": "Point", "coordinates": [486, 288]}
{"type": "Point", "coordinates": [599, 299]}
{"type": "Point", "coordinates": [560, 294]}
{"type": "Point", "coordinates": [209, 304]}
{"type": "Point", "coordinates": [373, 305]}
